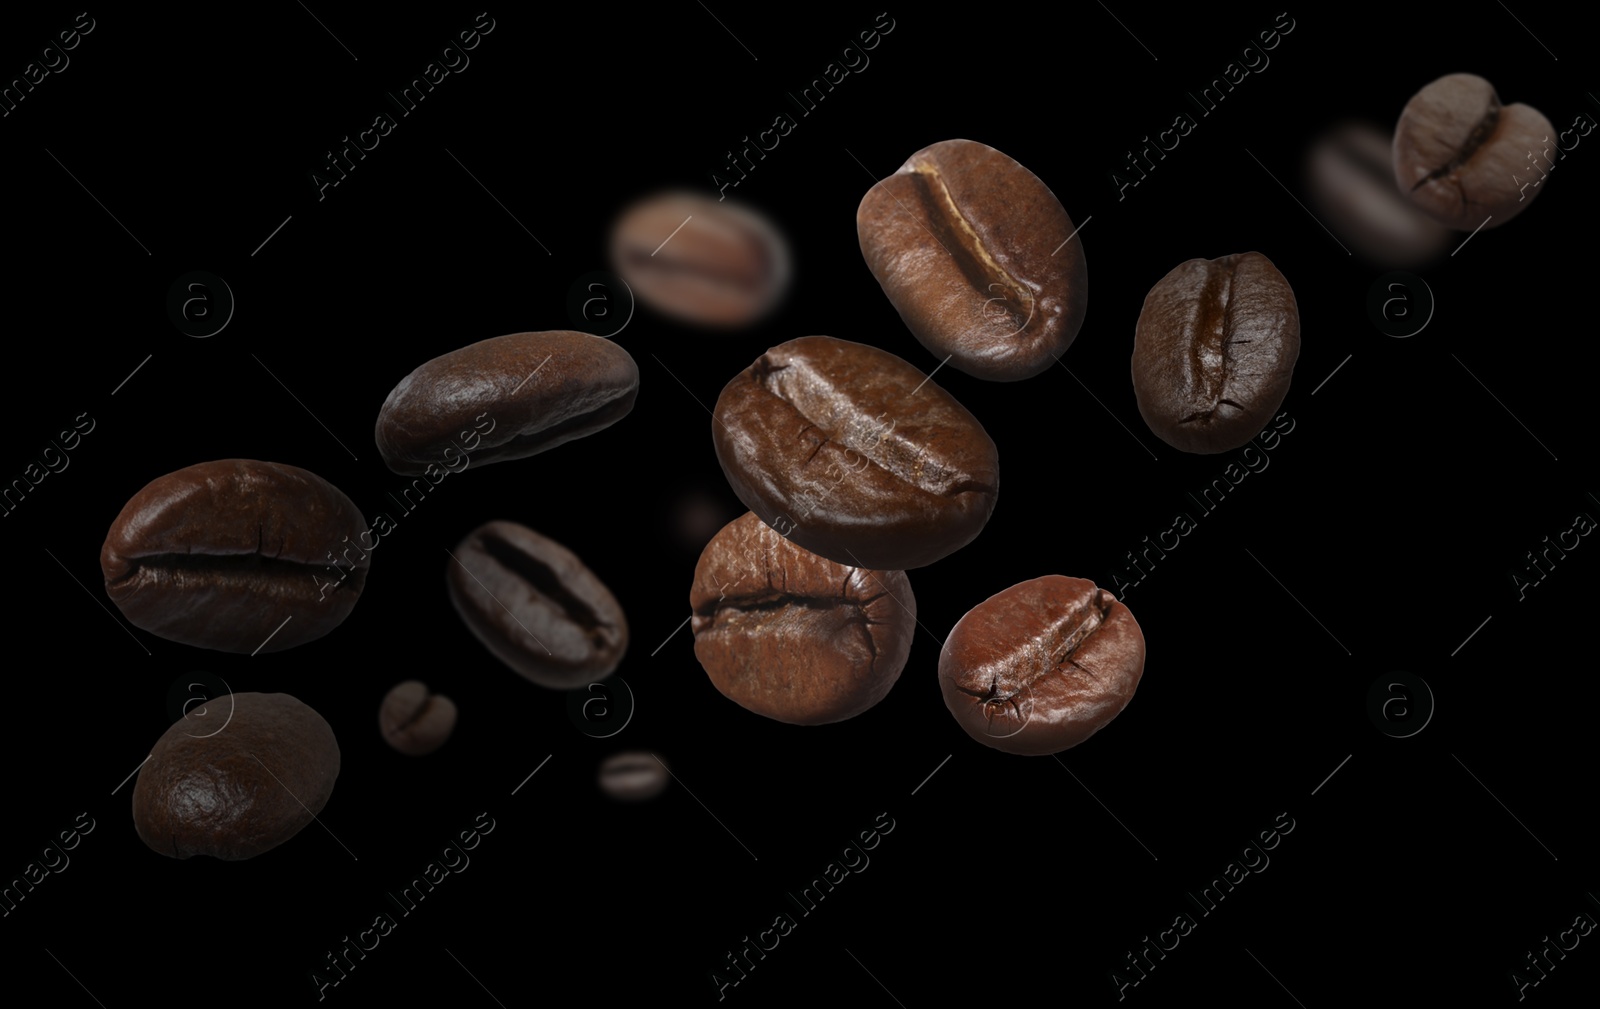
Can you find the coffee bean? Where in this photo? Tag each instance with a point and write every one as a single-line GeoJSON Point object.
{"type": "Point", "coordinates": [855, 455]}
{"type": "Point", "coordinates": [968, 245]}
{"type": "Point", "coordinates": [1214, 350]}
{"type": "Point", "coordinates": [705, 262]}
{"type": "Point", "coordinates": [414, 721]}
{"type": "Point", "coordinates": [1463, 157]}
{"type": "Point", "coordinates": [505, 398]}
{"type": "Point", "coordinates": [533, 604]}
{"type": "Point", "coordinates": [220, 554]}
{"type": "Point", "coordinates": [235, 778]}
{"type": "Point", "coordinates": [793, 636]}
{"type": "Point", "coordinates": [1350, 173]}
{"type": "Point", "coordinates": [633, 777]}
{"type": "Point", "coordinates": [1042, 666]}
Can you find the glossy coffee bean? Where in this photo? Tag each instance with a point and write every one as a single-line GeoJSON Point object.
{"type": "Point", "coordinates": [414, 721]}
{"type": "Point", "coordinates": [793, 636]}
{"type": "Point", "coordinates": [1042, 666]}
{"type": "Point", "coordinates": [235, 778]}
{"type": "Point", "coordinates": [1214, 350]}
{"type": "Point", "coordinates": [633, 777]}
{"type": "Point", "coordinates": [856, 455]}
{"type": "Point", "coordinates": [1350, 174]}
{"type": "Point", "coordinates": [220, 554]}
{"type": "Point", "coordinates": [1462, 156]}
{"type": "Point", "coordinates": [972, 250]}
{"type": "Point", "coordinates": [505, 398]}
{"type": "Point", "coordinates": [705, 262]}
{"type": "Point", "coordinates": [535, 605]}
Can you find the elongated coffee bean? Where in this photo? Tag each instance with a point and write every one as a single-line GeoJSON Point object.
{"type": "Point", "coordinates": [855, 455]}
{"type": "Point", "coordinates": [1214, 350]}
{"type": "Point", "coordinates": [633, 777]}
{"type": "Point", "coordinates": [1042, 666]}
{"type": "Point", "coordinates": [535, 605]}
{"type": "Point", "coordinates": [223, 554]}
{"type": "Point", "coordinates": [1464, 158]}
{"type": "Point", "coordinates": [972, 250]}
{"type": "Point", "coordinates": [506, 398]}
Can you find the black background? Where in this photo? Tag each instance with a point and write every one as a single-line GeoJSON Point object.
{"type": "Point", "coordinates": [1379, 538]}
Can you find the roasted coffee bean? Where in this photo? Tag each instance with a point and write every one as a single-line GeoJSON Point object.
{"type": "Point", "coordinates": [533, 604]}
{"type": "Point", "coordinates": [221, 554]}
{"type": "Point", "coordinates": [1463, 157]}
{"type": "Point", "coordinates": [1214, 350]}
{"type": "Point", "coordinates": [235, 778]}
{"type": "Point", "coordinates": [1042, 666]}
{"type": "Point", "coordinates": [793, 636]}
{"type": "Point", "coordinates": [414, 721]}
{"type": "Point", "coordinates": [703, 261]}
{"type": "Point", "coordinates": [1350, 174]}
{"type": "Point", "coordinates": [972, 250]}
{"type": "Point", "coordinates": [632, 777]}
{"type": "Point", "coordinates": [855, 455]}
{"type": "Point", "coordinates": [503, 399]}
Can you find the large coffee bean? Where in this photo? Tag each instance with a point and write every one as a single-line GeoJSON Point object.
{"type": "Point", "coordinates": [793, 636]}
{"type": "Point", "coordinates": [220, 554]}
{"type": "Point", "coordinates": [972, 250]}
{"type": "Point", "coordinates": [1042, 666]}
{"type": "Point", "coordinates": [505, 398]}
{"type": "Point", "coordinates": [855, 455]}
{"type": "Point", "coordinates": [533, 604]}
{"type": "Point", "coordinates": [1214, 350]}
{"type": "Point", "coordinates": [235, 778]}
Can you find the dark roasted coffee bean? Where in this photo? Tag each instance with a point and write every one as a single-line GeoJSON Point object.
{"type": "Point", "coordinates": [973, 252]}
{"type": "Point", "coordinates": [793, 636]}
{"type": "Point", "coordinates": [414, 721]}
{"type": "Point", "coordinates": [1214, 350]}
{"type": "Point", "coordinates": [699, 260]}
{"type": "Point", "coordinates": [1042, 666]}
{"type": "Point", "coordinates": [855, 455]}
{"type": "Point", "coordinates": [235, 778]}
{"type": "Point", "coordinates": [533, 604]}
{"type": "Point", "coordinates": [228, 554]}
{"type": "Point", "coordinates": [1350, 174]}
{"type": "Point", "coordinates": [503, 399]}
{"type": "Point", "coordinates": [1463, 157]}
{"type": "Point", "coordinates": [633, 777]}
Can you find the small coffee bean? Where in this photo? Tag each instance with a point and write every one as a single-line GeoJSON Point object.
{"type": "Point", "coordinates": [1462, 156]}
{"type": "Point", "coordinates": [793, 636]}
{"type": "Point", "coordinates": [533, 604]}
{"type": "Point", "coordinates": [235, 778]}
{"type": "Point", "coordinates": [633, 777]}
{"type": "Point", "coordinates": [1214, 350]}
{"type": "Point", "coordinates": [1042, 666]}
{"type": "Point", "coordinates": [414, 721]}
{"type": "Point", "coordinates": [221, 554]}
{"type": "Point", "coordinates": [972, 250]}
{"type": "Point", "coordinates": [1350, 174]}
{"type": "Point", "coordinates": [699, 260]}
{"type": "Point", "coordinates": [505, 398]}
{"type": "Point", "coordinates": [855, 455]}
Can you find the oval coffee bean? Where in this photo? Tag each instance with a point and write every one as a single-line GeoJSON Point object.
{"type": "Point", "coordinates": [699, 260]}
{"type": "Point", "coordinates": [1042, 666]}
{"type": "Point", "coordinates": [222, 554]}
{"type": "Point", "coordinates": [972, 250]}
{"type": "Point", "coordinates": [505, 398]}
{"type": "Point", "coordinates": [855, 455]}
{"type": "Point", "coordinates": [533, 604]}
{"type": "Point", "coordinates": [414, 721]}
{"type": "Point", "coordinates": [1463, 157]}
{"type": "Point", "coordinates": [235, 778]}
{"type": "Point", "coordinates": [633, 777]}
{"type": "Point", "coordinates": [793, 636]}
{"type": "Point", "coordinates": [1350, 173]}
{"type": "Point", "coordinates": [1214, 350]}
